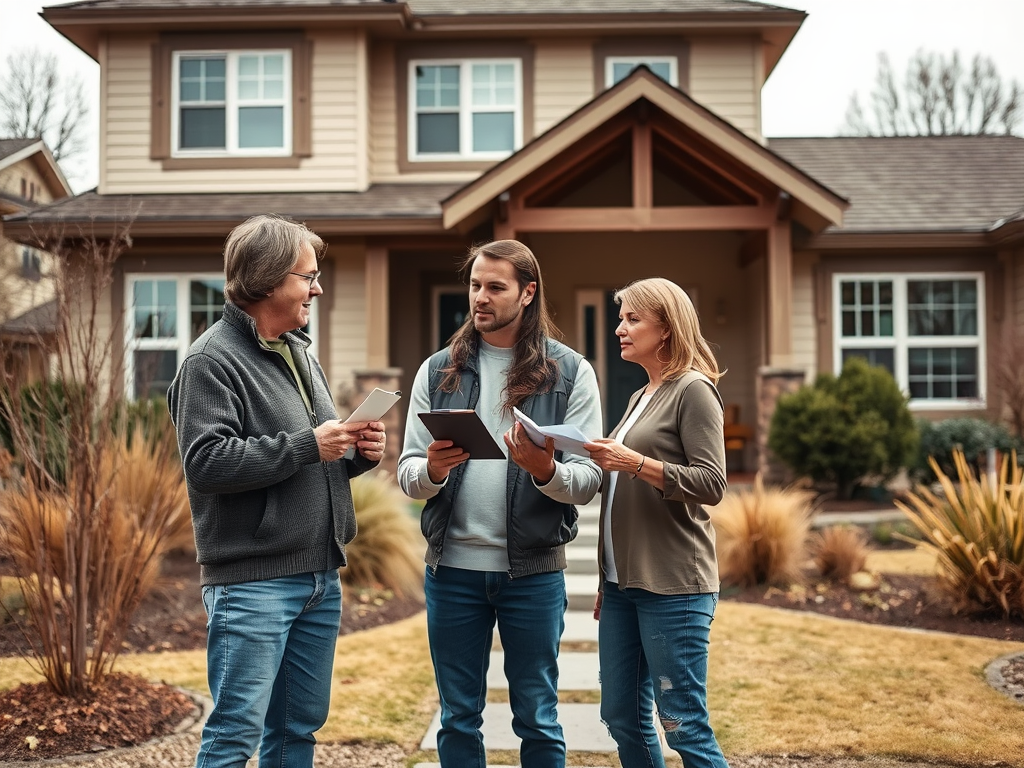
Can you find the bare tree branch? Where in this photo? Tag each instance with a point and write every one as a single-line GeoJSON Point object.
{"type": "Point", "coordinates": [938, 97]}
{"type": "Point", "coordinates": [37, 100]}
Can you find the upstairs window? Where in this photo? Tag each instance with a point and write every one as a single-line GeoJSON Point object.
{"type": "Point", "coordinates": [31, 263]}
{"type": "Point", "coordinates": [465, 109]}
{"type": "Point", "coordinates": [232, 103]}
{"type": "Point", "coordinates": [926, 330]}
{"type": "Point", "coordinates": [618, 68]}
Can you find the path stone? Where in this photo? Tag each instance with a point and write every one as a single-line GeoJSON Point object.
{"type": "Point", "coordinates": [581, 725]}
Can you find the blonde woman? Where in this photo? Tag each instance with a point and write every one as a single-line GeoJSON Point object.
{"type": "Point", "coordinates": [662, 463]}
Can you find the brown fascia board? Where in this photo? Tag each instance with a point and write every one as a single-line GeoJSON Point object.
{"type": "Point", "coordinates": [84, 26]}
{"type": "Point", "coordinates": [882, 240]}
{"type": "Point", "coordinates": [25, 231]}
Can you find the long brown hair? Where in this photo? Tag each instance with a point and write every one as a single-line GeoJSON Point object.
{"type": "Point", "coordinates": [669, 305]}
{"type": "Point", "coordinates": [531, 370]}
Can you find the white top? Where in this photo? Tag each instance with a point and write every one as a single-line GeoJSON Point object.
{"type": "Point", "coordinates": [610, 574]}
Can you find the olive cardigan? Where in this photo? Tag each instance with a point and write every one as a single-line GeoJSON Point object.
{"type": "Point", "coordinates": [664, 540]}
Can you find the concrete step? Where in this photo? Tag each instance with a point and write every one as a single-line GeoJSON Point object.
{"type": "Point", "coordinates": [581, 560]}
{"type": "Point", "coordinates": [576, 672]}
{"type": "Point", "coordinates": [581, 726]}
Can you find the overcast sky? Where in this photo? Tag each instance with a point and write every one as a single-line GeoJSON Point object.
{"type": "Point", "coordinates": [834, 54]}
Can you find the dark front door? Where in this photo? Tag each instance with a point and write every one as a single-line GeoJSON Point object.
{"type": "Point", "coordinates": [622, 378]}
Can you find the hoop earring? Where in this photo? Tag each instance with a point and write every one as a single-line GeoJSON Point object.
{"type": "Point", "coordinates": [657, 355]}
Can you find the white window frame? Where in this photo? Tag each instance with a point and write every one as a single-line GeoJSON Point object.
{"type": "Point", "coordinates": [232, 103]}
{"type": "Point", "coordinates": [466, 110]}
{"type": "Point", "coordinates": [901, 341]}
{"type": "Point", "coordinates": [611, 61]}
{"type": "Point", "coordinates": [182, 341]}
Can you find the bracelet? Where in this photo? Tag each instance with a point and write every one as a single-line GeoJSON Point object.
{"type": "Point", "coordinates": [640, 465]}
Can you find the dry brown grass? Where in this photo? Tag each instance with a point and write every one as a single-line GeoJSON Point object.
{"type": "Point", "coordinates": [388, 550]}
{"type": "Point", "coordinates": [762, 534]}
{"type": "Point", "coordinates": [839, 551]}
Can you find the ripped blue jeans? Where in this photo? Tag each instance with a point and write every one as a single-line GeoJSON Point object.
{"type": "Point", "coordinates": [654, 650]}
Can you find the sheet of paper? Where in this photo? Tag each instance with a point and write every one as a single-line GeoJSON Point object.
{"type": "Point", "coordinates": [568, 438]}
{"type": "Point", "coordinates": [376, 404]}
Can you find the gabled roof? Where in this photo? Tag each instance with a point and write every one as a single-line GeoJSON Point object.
{"type": "Point", "coordinates": [815, 204]}
{"type": "Point", "coordinates": [489, 7]}
{"type": "Point", "coordinates": [916, 183]}
{"type": "Point", "coordinates": [13, 151]}
{"type": "Point", "coordinates": [10, 147]}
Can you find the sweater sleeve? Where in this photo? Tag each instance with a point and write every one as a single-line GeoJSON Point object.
{"type": "Point", "coordinates": [216, 456]}
{"type": "Point", "coordinates": [577, 478]}
{"type": "Point", "coordinates": [412, 464]}
{"type": "Point", "coordinates": [700, 422]}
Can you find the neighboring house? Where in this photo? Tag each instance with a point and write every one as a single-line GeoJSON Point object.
{"type": "Point", "coordinates": [29, 178]}
{"type": "Point", "coordinates": [404, 132]}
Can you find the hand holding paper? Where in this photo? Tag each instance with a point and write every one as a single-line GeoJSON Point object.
{"type": "Point", "coordinates": [376, 404]}
{"type": "Point", "coordinates": [568, 438]}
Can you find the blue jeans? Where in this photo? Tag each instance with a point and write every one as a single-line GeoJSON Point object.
{"type": "Point", "coordinates": [645, 637]}
{"type": "Point", "coordinates": [462, 607]}
{"type": "Point", "coordinates": [269, 662]}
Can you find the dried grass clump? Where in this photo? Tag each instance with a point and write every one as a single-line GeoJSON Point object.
{"type": "Point", "coordinates": [840, 551]}
{"type": "Point", "coordinates": [388, 550]}
{"type": "Point", "coordinates": [977, 533]}
{"type": "Point", "coordinates": [762, 535]}
{"type": "Point", "coordinates": [142, 514]}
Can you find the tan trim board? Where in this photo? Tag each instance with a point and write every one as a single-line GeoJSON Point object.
{"type": "Point", "coordinates": [694, 218]}
{"type": "Point", "coordinates": [842, 241]}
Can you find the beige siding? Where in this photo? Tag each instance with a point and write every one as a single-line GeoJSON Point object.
{"type": "Point", "coordinates": [348, 318]}
{"type": "Point", "coordinates": [724, 78]}
{"type": "Point", "coordinates": [339, 135]}
{"type": "Point", "coordinates": [1018, 290]}
{"type": "Point", "coordinates": [805, 326]}
{"type": "Point", "coordinates": [17, 294]}
{"type": "Point", "coordinates": [383, 116]}
{"type": "Point", "coordinates": [563, 80]}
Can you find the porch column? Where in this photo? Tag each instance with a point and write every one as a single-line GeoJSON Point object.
{"type": "Point", "coordinates": [377, 372]}
{"type": "Point", "coordinates": [780, 295]}
{"type": "Point", "coordinates": [772, 383]}
{"type": "Point", "coordinates": [376, 284]}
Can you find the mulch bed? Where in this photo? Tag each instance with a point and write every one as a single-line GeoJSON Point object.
{"type": "Point", "coordinates": [36, 724]}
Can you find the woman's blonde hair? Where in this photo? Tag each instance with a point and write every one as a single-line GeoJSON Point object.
{"type": "Point", "coordinates": [685, 349]}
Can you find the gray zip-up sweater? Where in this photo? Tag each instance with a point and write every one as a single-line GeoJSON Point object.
{"type": "Point", "coordinates": [263, 504]}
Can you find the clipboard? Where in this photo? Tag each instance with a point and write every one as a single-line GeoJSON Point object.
{"type": "Point", "coordinates": [465, 430]}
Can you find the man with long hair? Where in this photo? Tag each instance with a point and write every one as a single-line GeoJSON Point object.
{"type": "Point", "coordinates": [496, 530]}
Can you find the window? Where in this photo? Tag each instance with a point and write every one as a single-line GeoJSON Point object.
{"type": "Point", "coordinates": [619, 67]}
{"type": "Point", "coordinates": [465, 109]}
{"type": "Point", "coordinates": [231, 103]}
{"type": "Point", "coordinates": [927, 330]}
{"type": "Point", "coordinates": [165, 314]}
{"type": "Point", "coordinates": [31, 264]}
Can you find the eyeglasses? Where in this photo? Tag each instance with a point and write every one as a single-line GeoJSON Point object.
{"type": "Point", "coordinates": [312, 276]}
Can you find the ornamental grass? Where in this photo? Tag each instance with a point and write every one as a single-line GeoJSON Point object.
{"type": "Point", "coordinates": [839, 551]}
{"type": "Point", "coordinates": [976, 530]}
{"type": "Point", "coordinates": [762, 535]}
{"type": "Point", "coordinates": [388, 550]}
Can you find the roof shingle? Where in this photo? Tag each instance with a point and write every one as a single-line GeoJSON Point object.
{"type": "Point", "coordinates": [916, 183]}
{"type": "Point", "coordinates": [9, 146]}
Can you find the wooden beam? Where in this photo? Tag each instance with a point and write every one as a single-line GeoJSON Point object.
{"type": "Point", "coordinates": [681, 218]}
{"type": "Point", "coordinates": [643, 185]}
{"type": "Point", "coordinates": [377, 332]}
{"type": "Point", "coordinates": [780, 295]}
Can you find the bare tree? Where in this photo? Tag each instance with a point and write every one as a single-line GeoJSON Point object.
{"type": "Point", "coordinates": [938, 97]}
{"type": "Point", "coordinates": [38, 100]}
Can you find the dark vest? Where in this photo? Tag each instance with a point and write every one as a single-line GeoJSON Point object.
{"type": "Point", "coordinates": [538, 527]}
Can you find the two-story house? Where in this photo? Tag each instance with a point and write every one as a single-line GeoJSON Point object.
{"type": "Point", "coordinates": [402, 132]}
{"type": "Point", "coordinates": [29, 178]}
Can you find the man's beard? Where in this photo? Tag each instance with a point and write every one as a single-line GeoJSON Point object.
{"type": "Point", "coordinates": [495, 322]}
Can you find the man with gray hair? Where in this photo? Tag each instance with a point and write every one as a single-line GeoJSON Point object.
{"type": "Point", "coordinates": [263, 452]}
